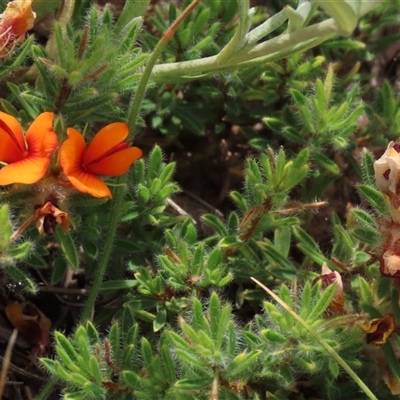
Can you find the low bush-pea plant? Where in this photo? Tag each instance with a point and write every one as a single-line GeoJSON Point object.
{"type": "Point", "coordinates": [268, 300]}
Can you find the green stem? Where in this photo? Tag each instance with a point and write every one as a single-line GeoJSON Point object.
{"type": "Point", "coordinates": [134, 111]}
{"type": "Point", "coordinates": [111, 231]}
{"type": "Point", "coordinates": [135, 107]}
{"type": "Point", "coordinates": [275, 48]}
{"type": "Point", "coordinates": [48, 389]}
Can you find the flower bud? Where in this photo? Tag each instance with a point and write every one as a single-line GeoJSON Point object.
{"type": "Point", "coordinates": [327, 278]}
{"type": "Point", "coordinates": [387, 170]}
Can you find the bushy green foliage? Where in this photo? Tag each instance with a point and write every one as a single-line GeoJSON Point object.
{"type": "Point", "coordinates": [207, 354]}
{"type": "Point", "coordinates": [176, 312]}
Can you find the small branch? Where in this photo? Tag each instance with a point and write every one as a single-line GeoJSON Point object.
{"type": "Point", "coordinates": [119, 196]}
{"type": "Point", "coordinates": [276, 48]}
{"type": "Point", "coordinates": [135, 107]}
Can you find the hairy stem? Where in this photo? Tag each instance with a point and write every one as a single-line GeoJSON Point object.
{"type": "Point", "coordinates": [114, 222]}
{"type": "Point", "coordinates": [47, 389]}
{"type": "Point", "coordinates": [135, 107]}
{"type": "Point", "coordinates": [115, 213]}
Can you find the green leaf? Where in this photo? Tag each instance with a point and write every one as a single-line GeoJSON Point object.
{"type": "Point", "coordinates": [361, 258]}
{"type": "Point", "coordinates": [36, 261]}
{"type": "Point", "coordinates": [147, 355]}
{"type": "Point", "coordinates": [333, 367]}
{"type": "Point", "coordinates": [327, 163]}
{"type": "Point", "coordinates": [188, 358]}
{"type": "Point", "coordinates": [131, 379]}
{"type": "Point", "coordinates": [118, 284]}
{"type": "Point", "coordinates": [298, 97]}
{"type": "Point", "coordinates": [194, 383]}
{"type": "Point", "coordinates": [92, 333]}
{"type": "Point", "coordinates": [166, 191]}
{"type": "Point", "coordinates": [115, 341]}
{"type": "Point", "coordinates": [392, 360]}
{"type": "Point", "coordinates": [59, 269]}
{"type": "Point", "coordinates": [154, 163]}
{"type": "Point", "coordinates": [4, 215]}
{"type": "Point", "coordinates": [17, 275]}
{"type": "Point", "coordinates": [167, 172]}
{"type": "Point", "coordinates": [20, 251]}
{"type": "Point", "coordinates": [161, 319]}
{"type": "Point", "coordinates": [91, 249]}
{"type": "Point", "coordinates": [229, 241]}
{"type": "Point", "coordinates": [273, 336]}
{"type": "Point", "coordinates": [215, 223]}
{"type": "Point", "coordinates": [242, 362]}
{"type": "Point", "coordinates": [308, 246]}
{"type": "Point", "coordinates": [68, 248]}
{"type": "Point", "coordinates": [362, 217]}
{"type": "Point", "coordinates": [200, 22]}
{"type": "Point", "coordinates": [214, 259]}
{"type": "Point", "coordinates": [275, 257]}
{"type": "Point", "coordinates": [367, 235]}
{"type": "Point", "coordinates": [141, 304]}
{"type": "Point", "coordinates": [306, 301]}
{"type": "Point", "coordinates": [131, 10]}
{"type": "Point", "coordinates": [343, 246]}
{"type": "Point", "coordinates": [199, 320]}
{"type": "Point", "coordinates": [368, 161]}
{"type": "Point", "coordinates": [95, 370]}
{"type": "Point", "coordinates": [167, 360]}
{"type": "Point", "coordinates": [48, 364]}
{"type": "Point", "coordinates": [64, 343]}
{"type": "Point", "coordinates": [215, 314]}
{"type": "Point", "coordinates": [375, 198]}
{"type": "Point", "coordinates": [19, 56]}
{"type": "Point", "coordinates": [322, 304]}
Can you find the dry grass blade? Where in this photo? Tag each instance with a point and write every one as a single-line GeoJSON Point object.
{"type": "Point", "coordinates": [6, 361]}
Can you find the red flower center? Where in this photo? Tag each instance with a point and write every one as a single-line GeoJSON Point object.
{"type": "Point", "coordinates": [7, 129]}
{"type": "Point", "coordinates": [386, 174]}
{"type": "Point", "coordinates": [115, 149]}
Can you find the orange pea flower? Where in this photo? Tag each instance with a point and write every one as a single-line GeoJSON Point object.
{"type": "Point", "coordinates": [106, 155]}
{"type": "Point", "coordinates": [15, 21]}
{"type": "Point", "coordinates": [26, 158]}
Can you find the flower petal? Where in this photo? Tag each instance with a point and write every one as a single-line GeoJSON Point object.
{"type": "Point", "coordinates": [20, 16]}
{"type": "Point", "coordinates": [40, 136]}
{"type": "Point", "coordinates": [28, 327]}
{"type": "Point", "coordinates": [105, 139]}
{"type": "Point", "coordinates": [12, 144]}
{"type": "Point", "coordinates": [47, 216]}
{"type": "Point", "coordinates": [71, 152]}
{"type": "Point", "coordinates": [88, 183]}
{"type": "Point", "coordinates": [390, 264]}
{"type": "Point", "coordinates": [379, 329]}
{"type": "Point", "coordinates": [28, 170]}
{"type": "Point", "coordinates": [116, 164]}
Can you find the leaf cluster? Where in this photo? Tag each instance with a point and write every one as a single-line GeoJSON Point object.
{"type": "Point", "coordinates": [85, 74]}
{"type": "Point", "coordinates": [206, 353]}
